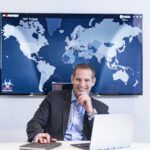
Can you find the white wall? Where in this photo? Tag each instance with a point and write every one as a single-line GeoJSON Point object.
{"type": "Point", "coordinates": [15, 111]}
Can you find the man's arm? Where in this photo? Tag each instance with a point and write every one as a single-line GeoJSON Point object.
{"type": "Point", "coordinates": [38, 122]}
{"type": "Point", "coordinates": [47, 119]}
{"type": "Point", "coordinates": [99, 108]}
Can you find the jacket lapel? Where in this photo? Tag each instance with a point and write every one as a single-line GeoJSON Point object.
{"type": "Point", "coordinates": [66, 110]}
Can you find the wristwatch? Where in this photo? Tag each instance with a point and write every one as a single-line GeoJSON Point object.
{"type": "Point", "coordinates": [91, 115]}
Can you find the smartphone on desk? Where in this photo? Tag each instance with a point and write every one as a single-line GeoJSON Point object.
{"type": "Point", "coordinates": [84, 146]}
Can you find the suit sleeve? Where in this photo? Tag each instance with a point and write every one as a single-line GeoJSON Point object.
{"type": "Point", "coordinates": [100, 108]}
{"type": "Point", "coordinates": [38, 122]}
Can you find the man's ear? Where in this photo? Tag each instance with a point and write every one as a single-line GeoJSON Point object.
{"type": "Point", "coordinates": [94, 80]}
{"type": "Point", "coordinates": [72, 78]}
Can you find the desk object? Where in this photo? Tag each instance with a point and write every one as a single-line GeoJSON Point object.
{"type": "Point", "coordinates": [38, 146]}
{"type": "Point", "coordinates": [66, 145]}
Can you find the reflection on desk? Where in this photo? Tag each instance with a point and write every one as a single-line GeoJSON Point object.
{"type": "Point", "coordinates": [66, 146]}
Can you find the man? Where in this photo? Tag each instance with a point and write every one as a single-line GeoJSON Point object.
{"type": "Point", "coordinates": [67, 114]}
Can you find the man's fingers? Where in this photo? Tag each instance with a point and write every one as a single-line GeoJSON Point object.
{"type": "Point", "coordinates": [84, 103]}
{"type": "Point", "coordinates": [53, 140]}
{"type": "Point", "coordinates": [47, 137]}
{"type": "Point", "coordinates": [84, 99]}
{"type": "Point", "coordinates": [42, 138]}
{"type": "Point", "coordinates": [45, 141]}
{"type": "Point", "coordinates": [36, 139]}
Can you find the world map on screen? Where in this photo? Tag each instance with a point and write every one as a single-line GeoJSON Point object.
{"type": "Point", "coordinates": [37, 51]}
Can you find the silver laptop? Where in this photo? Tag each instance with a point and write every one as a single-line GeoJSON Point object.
{"type": "Point", "coordinates": [112, 131]}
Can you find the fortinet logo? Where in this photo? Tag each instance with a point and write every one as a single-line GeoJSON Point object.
{"type": "Point", "coordinates": [125, 16]}
{"type": "Point", "coordinates": [11, 15]}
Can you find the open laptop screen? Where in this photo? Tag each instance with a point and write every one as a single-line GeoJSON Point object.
{"type": "Point", "coordinates": [112, 131]}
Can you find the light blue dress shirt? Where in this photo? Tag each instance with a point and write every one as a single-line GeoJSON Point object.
{"type": "Point", "coordinates": [75, 124]}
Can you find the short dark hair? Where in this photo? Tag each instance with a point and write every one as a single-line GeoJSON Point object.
{"type": "Point", "coordinates": [84, 66]}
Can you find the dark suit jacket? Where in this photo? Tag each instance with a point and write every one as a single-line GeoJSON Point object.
{"type": "Point", "coordinates": [53, 114]}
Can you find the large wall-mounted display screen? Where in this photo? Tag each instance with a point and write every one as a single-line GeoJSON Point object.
{"type": "Point", "coordinates": [40, 49]}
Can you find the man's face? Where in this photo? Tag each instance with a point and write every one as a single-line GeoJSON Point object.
{"type": "Point", "coordinates": [82, 81]}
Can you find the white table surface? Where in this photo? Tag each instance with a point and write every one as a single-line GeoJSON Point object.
{"type": "Point", "coordinates": [66, 146]}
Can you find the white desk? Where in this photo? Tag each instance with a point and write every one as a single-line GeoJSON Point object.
{"type": "Point", "coordinates": [67, 146]}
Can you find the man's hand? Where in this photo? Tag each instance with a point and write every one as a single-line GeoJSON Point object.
{"type": "Point", "coordinates": [85, 100]}
{"type": "Point", "coordinates": [44, 138]}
